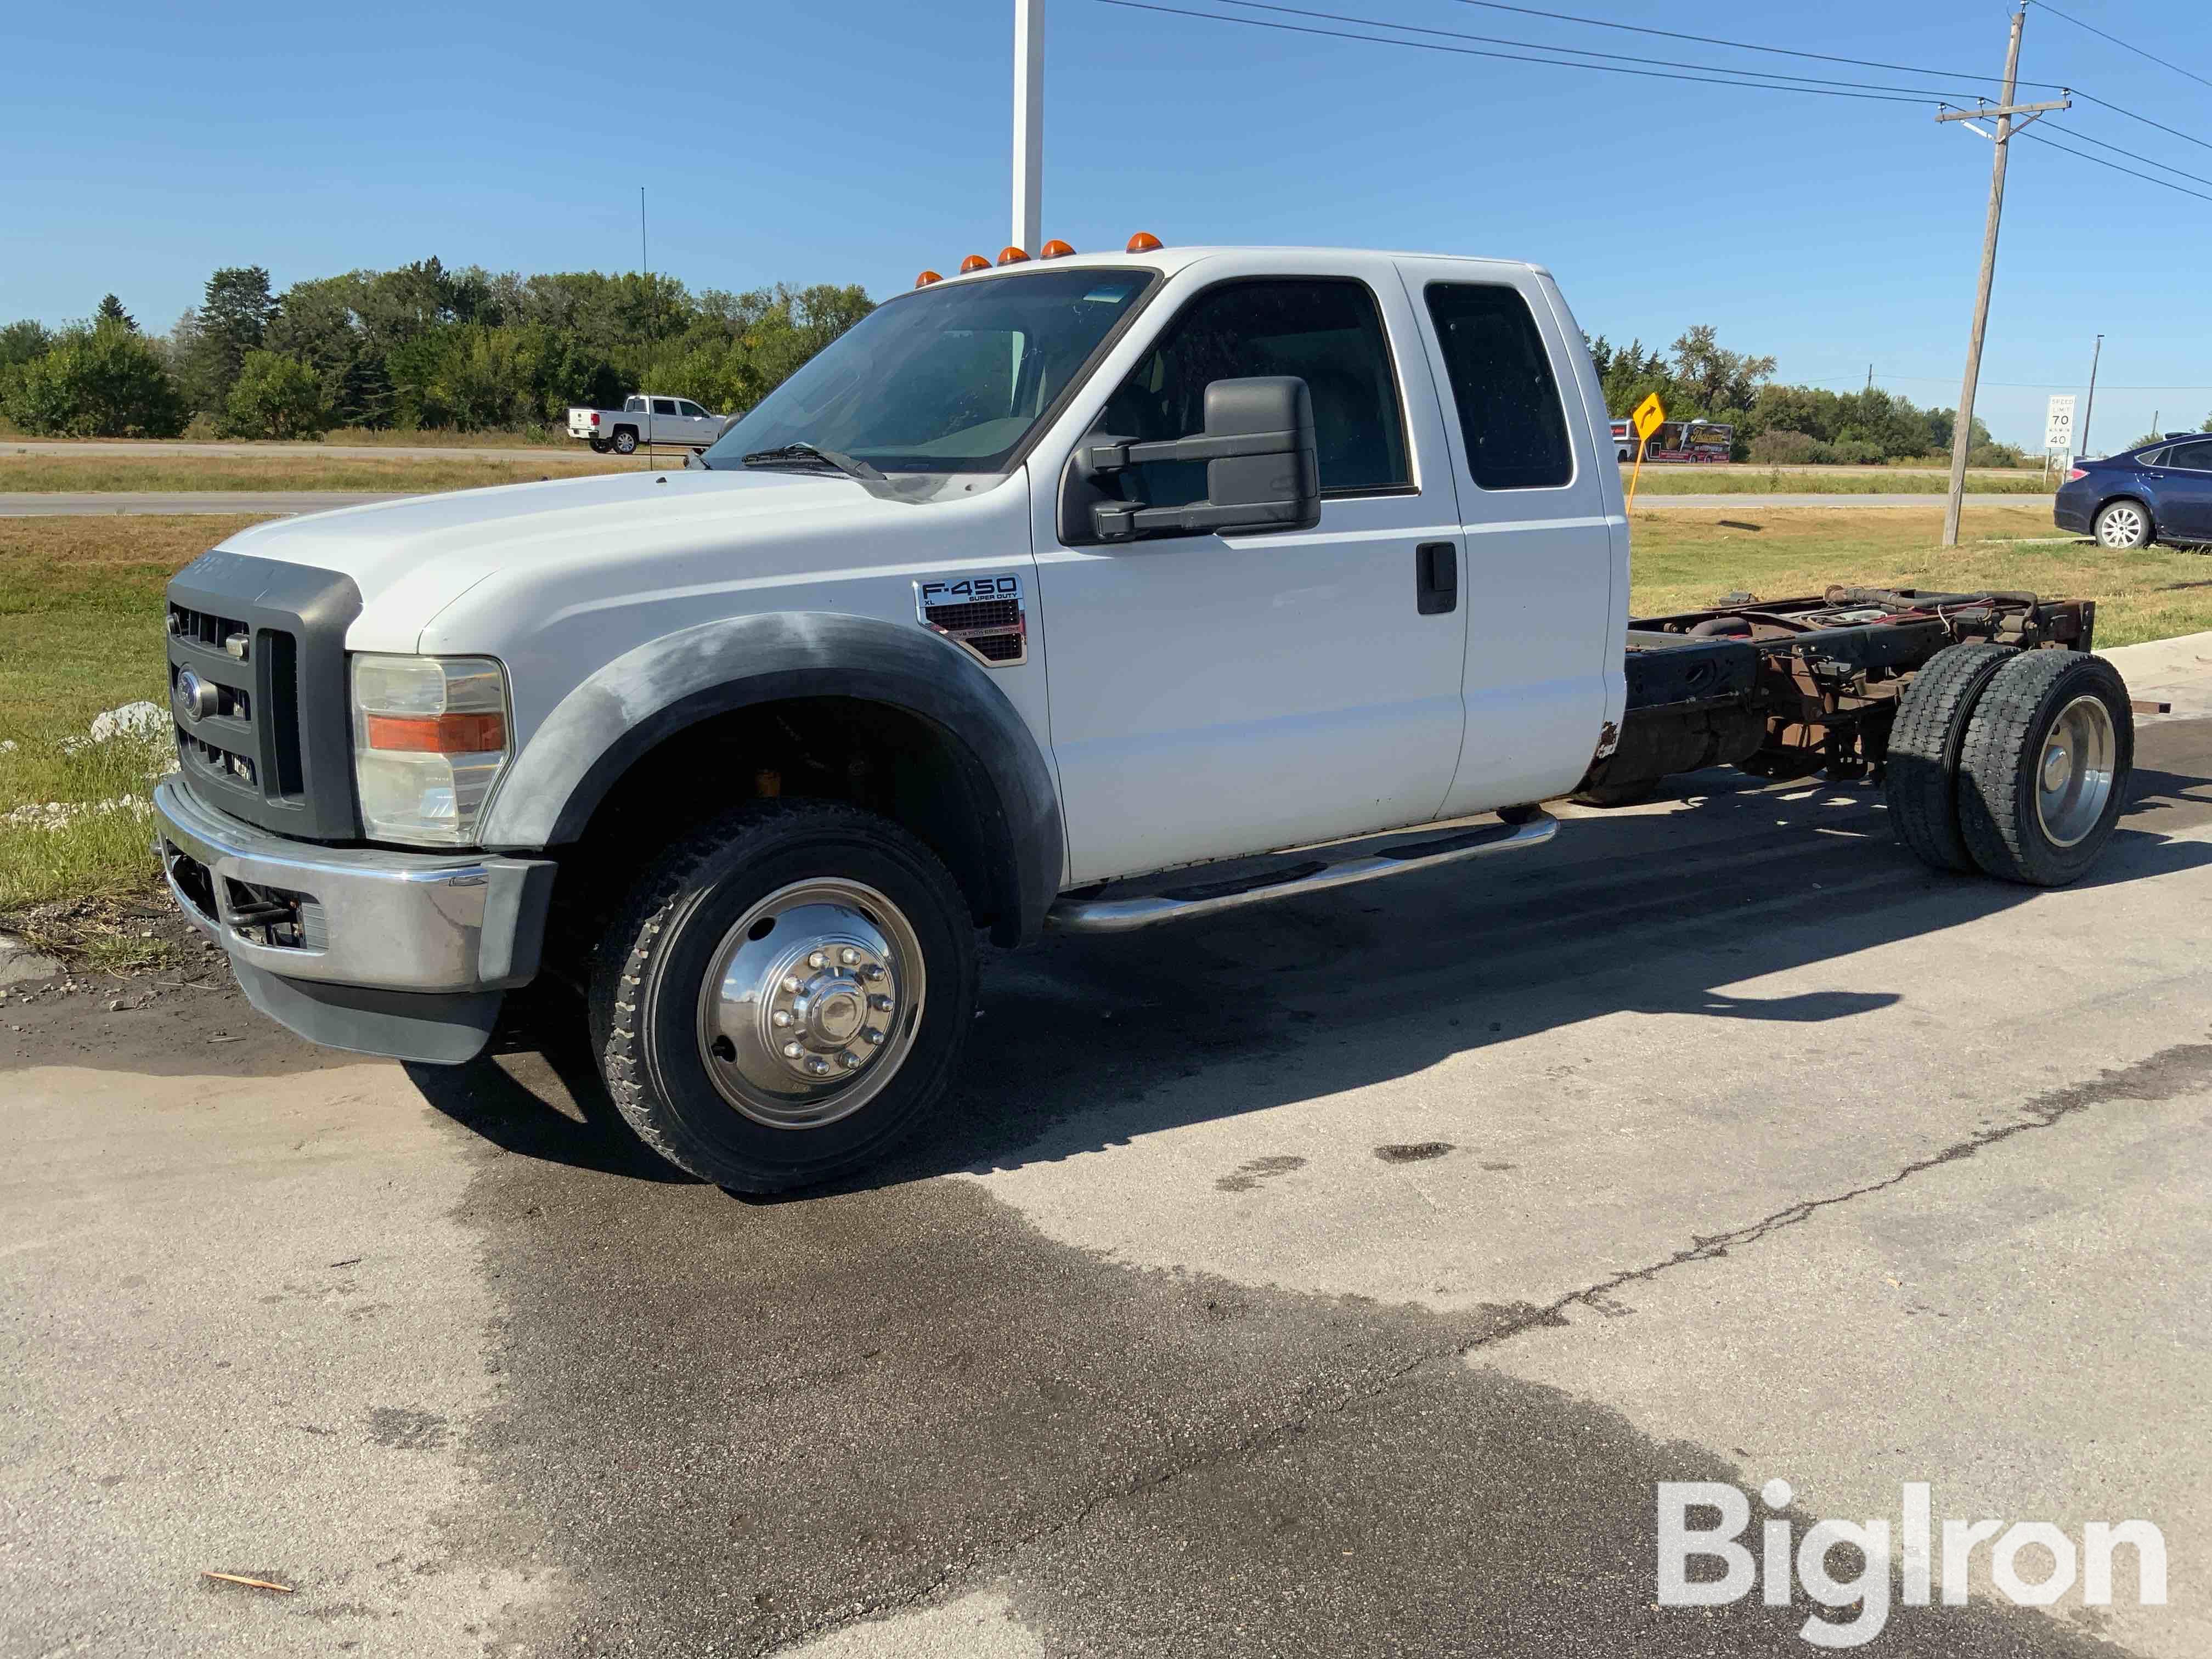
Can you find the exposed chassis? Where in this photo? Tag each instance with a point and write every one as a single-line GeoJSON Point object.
{"type": "Point", "coordinates": [1784, 688]}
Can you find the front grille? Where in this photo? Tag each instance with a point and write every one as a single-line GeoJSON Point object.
{"type": "Point", "coordinates": [263, 728]}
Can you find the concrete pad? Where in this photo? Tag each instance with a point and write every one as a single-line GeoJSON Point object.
{"type": "Point", "coordinates": [982, 1624]}
{"type": "Point", "coordinates": [2177, 671]}
{"type": "Point", "coordinates": [243, 1334]}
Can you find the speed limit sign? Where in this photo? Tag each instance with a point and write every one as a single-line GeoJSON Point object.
{"type": "Point", "coordinates": [2058, 424]}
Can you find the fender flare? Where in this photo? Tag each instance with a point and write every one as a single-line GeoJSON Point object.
{"type": "Point", "coordinates": [647, 694]}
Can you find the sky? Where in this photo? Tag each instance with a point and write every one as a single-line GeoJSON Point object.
{"type": "Point", "coordinates": [149, 143]}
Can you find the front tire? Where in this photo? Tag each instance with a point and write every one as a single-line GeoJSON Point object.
{"type": "Point", "coordinates": [2125, 527]}
{"type": "Point", "coordinates": [2043, 773]}
{"type": "Point", "coordinates": [785, 995]}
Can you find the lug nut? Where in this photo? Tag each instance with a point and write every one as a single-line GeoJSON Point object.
{"type": "Point", "coordinates": [849, 956]}
{"type": "Point", "coordinates": [779, 1018]}
{"type": "Point", "coordinates": [817, 1065]}
{"type": "Point", "coordinates": [882, 1005]}
{"type": "Point", "coordinates": [818, 960]}
{"type": "Point", "coordinates": [791, 985]}
{"type": "Point", "coordinates": [871, 973]}
{"type": "Point", "coordinates": [792, 1051]}
{"type": "Point", "coordinates": [873, 1036]}
{"type": "Point", "coordinates": [852, 1061]}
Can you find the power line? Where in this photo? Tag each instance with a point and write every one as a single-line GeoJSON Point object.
{"type": "Point", "coordinates": [2084, 155]}
{"type": "Point", "coordinates": [1582, 51]}
{"type": "Point", "coordinates": [1517, 58]}
{"type": "Point", "coordinates": [2123, 44]}
{"type": "Point", "coordinates": [1740, 45]}
{"type": "Point", "coordinates": [2091, 97]}
{"type": "Point", "coordinates": [2147, 161]}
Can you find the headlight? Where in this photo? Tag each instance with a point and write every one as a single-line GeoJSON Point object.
{"type": "Point", "coordinates": [429, 738]}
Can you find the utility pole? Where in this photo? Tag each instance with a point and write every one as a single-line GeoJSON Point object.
{"type": "Point", "coordinates": [1028, 124]}
{"type": "Point", "coordinates": [1962, 436]}
{"type": "Point", "coordinates": [2091, 410]}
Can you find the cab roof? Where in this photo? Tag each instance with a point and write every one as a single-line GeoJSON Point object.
{"type": "Point", "coordinates": [1170, 260]}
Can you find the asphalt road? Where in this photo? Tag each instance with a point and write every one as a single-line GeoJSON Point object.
{"type": "Point", "coordinates": [1337, 1279]}
{"type": "Point", "coordinates": [28, 504]}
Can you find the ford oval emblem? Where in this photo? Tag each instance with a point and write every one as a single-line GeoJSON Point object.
{"type": "Point", "coordinates": [194, 695]}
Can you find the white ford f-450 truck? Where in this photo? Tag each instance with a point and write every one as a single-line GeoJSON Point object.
{"type": "Point", "coordinates": [1038, 592]}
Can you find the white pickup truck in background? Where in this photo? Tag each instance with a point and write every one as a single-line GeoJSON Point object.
{"type": "Point", "coordinates": [647, 418]}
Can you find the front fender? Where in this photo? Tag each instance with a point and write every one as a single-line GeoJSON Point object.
{"type": "Point", "coordinates": [626, 708]}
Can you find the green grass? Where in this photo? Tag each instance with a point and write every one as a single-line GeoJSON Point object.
{"type": "Point", "coordinates": [1685, 560]}
{"type": "Point", "coordinates": [46, 471]}
{"type": "Point", "coordinates": [1857, 481]}
{"type": "Point", "coordinates": [81, 602]}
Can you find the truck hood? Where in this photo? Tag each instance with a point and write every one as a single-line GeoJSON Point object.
{"type": "Point", "coordinates": [412, 558]}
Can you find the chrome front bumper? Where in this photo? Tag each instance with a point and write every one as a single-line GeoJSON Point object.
{"type": "Point", "coordinates": [419, 922]}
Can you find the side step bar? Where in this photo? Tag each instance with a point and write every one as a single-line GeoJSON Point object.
{"type": "Point", "coordinates": [1123, 915]}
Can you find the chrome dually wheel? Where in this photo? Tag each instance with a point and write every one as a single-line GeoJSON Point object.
{"type": "Point", "coordinates": [785, 993]}
{"type": "Point", "coordinates": [811, 1003]}
{"type": "Point", "coordinates": [2074, 779]}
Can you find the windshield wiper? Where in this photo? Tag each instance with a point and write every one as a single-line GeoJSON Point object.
{"type": "Point", "coordinates": [804, 454]}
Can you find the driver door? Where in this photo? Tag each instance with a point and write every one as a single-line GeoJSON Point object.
{"type": "Point", "coordinates": [1218, 695]}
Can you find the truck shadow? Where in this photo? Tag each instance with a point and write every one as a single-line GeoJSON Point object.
{"type": "Point", "coordinates": [1083, 1044]}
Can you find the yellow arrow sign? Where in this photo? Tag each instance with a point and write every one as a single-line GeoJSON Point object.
{"type": "Point", "coordinates": [1646, 420]}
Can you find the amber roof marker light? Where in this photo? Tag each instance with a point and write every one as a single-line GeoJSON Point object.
{"type": "Point", "coordinates": [1014, 256]}
{"type": "Point", "coordinates": [926, 278]}
{"type": "Point", "coordinates": [1144, 242]}
{"type": "Point", "coordinates": [1055, 249]}
{"type": "Point", "coordinates": [974, 262]}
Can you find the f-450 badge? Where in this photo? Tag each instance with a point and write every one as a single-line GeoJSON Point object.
{"type": "Point", "coordinates": [984, 616]}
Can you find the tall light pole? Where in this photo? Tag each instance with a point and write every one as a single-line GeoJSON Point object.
{"type": "Point", "coordinates": [2091, 409]}
{"type": "Point", "coordinates": [1028, 124]}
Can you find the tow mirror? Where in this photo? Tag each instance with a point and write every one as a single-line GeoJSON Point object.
{"type": "Point", "coordinates": [1261, 473]}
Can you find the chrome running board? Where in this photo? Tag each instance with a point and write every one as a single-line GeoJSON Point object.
{"type": "Point", "coordinates": [1312, 875]}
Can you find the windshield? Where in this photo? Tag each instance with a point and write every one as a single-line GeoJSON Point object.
{"type": "Point", "coordinates": [947, 379]}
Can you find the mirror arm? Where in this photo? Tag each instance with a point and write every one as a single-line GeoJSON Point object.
{"type": "Point", "coordinates": [1115, 456]}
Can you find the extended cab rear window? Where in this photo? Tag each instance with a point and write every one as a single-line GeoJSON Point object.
{"type": "Point", "coordinates": [1509, 415]}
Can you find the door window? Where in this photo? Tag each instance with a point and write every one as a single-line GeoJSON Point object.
{"type": "Point", "coordinates": [2194, 457]}
{"type": "Point", "coordinates": [1509, 414]}
{"type": "Point", "coordinates": [690, 409]}
{"type": "Point", "coordinates": [664, 406]}
{"type": "Point", "coordinates": [1327, 331]}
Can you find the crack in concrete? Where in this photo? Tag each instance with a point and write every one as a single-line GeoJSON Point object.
{"type": "Point", "coordinates": [2160, 1077]}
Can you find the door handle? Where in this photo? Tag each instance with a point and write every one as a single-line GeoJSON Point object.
{"type": "Point", "coordinates": [1436, 578]}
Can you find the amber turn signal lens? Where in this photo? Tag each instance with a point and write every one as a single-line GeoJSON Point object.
{"type": "Point", "coordinates": [435, 734]}
{"type": "Point", "coordinates": [926, 278]}
{"type": "Point", "coordinates": [974, 262]}
{"type": "Point", "coordinates": [1012, 256]}
{"type": "Point", "coordinates": [1144, 242]}
{"type": "Point", "coordinates": [1055, 249]}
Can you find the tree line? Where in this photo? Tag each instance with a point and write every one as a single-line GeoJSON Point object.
{"type": "Point", "coordinates": [424, 348]}
{"type": "Point", "coordinates": [1781, 425]}
{"type": "Point", "coordinates": [419, 347]}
